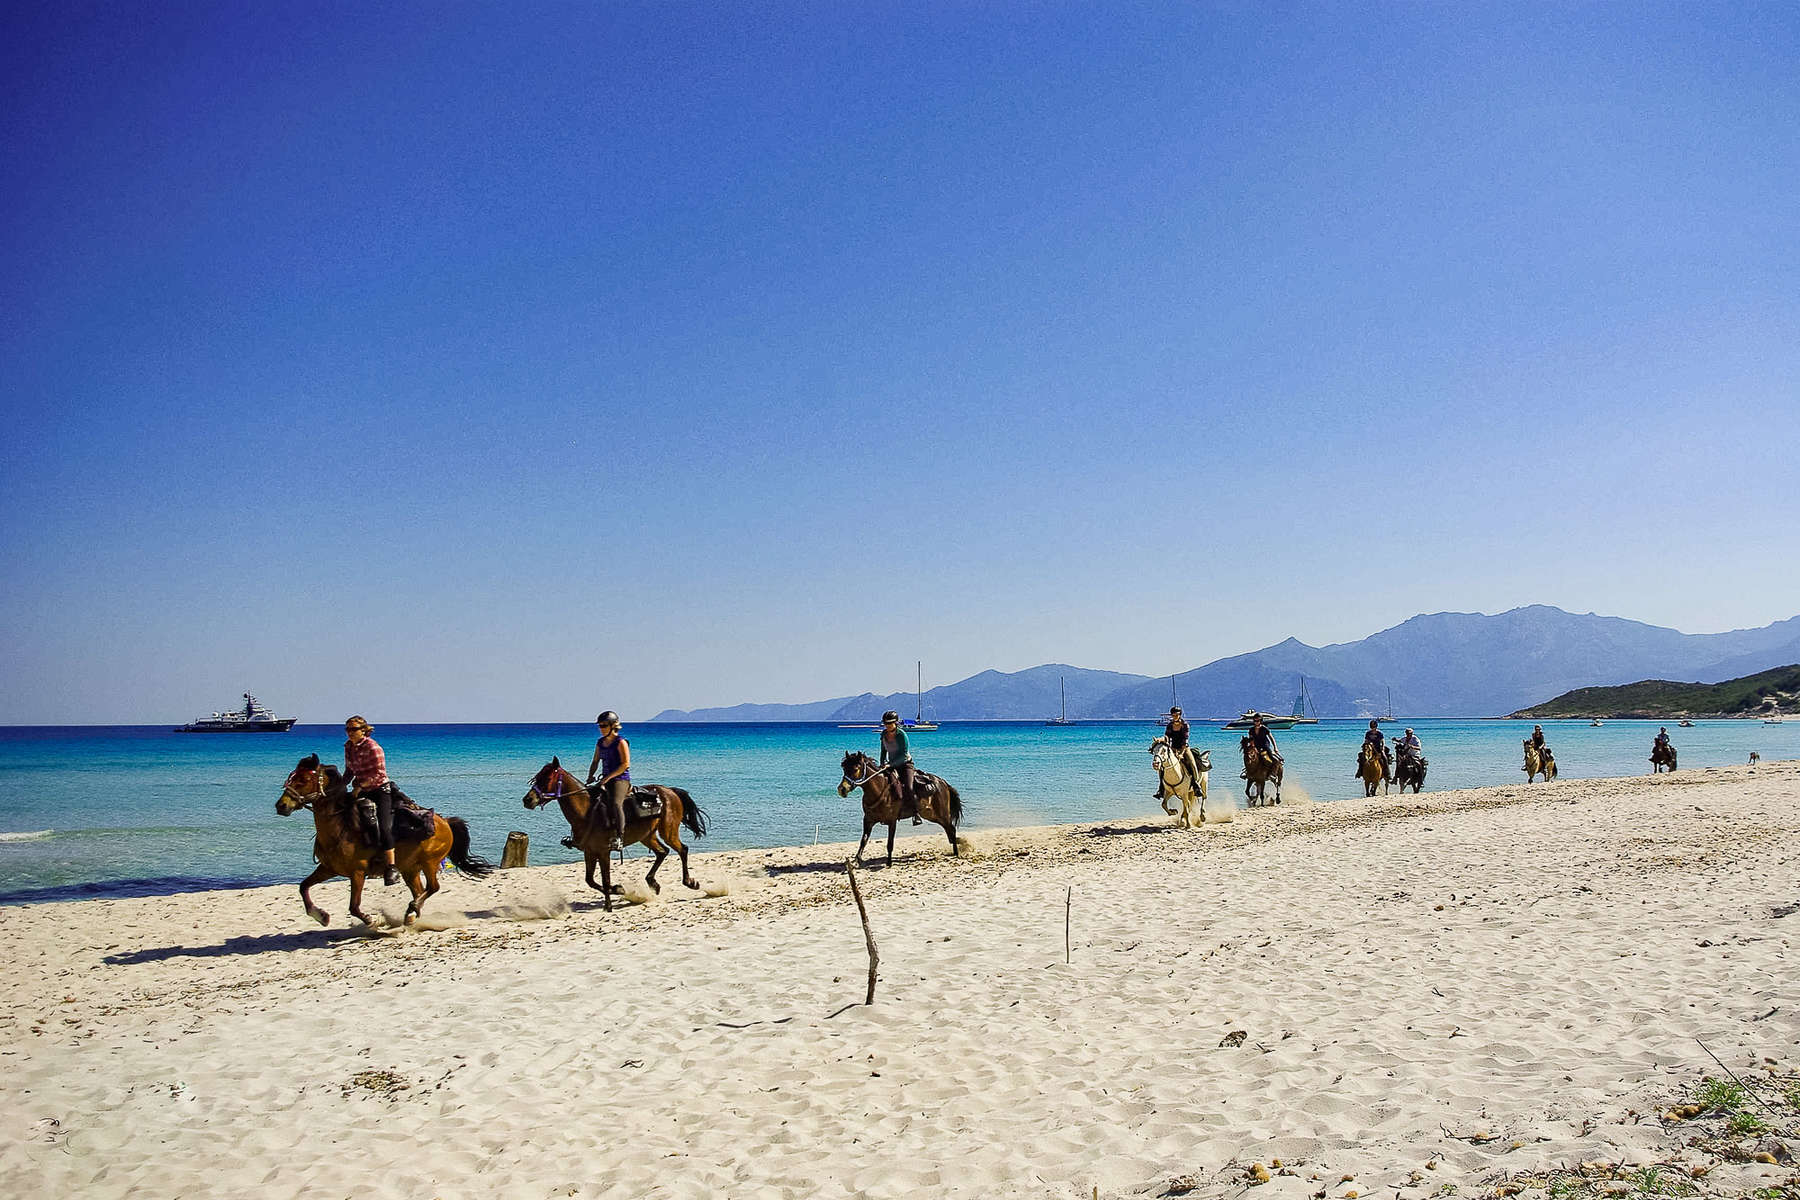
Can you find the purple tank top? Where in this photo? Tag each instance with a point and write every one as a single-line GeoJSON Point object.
{"type": "Point", "coordinates": [611, 756]}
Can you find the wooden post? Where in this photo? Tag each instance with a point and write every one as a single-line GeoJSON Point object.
{"type": "Point", "coordinates": [1068, 908]}
{"type": "Point", "coordinates": [517, 846]}
{"type": "Point", "coordinates": [868, 934]}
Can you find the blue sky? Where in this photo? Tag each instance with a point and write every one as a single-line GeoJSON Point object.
{"type": "Point", "coordinates": [448, 361]}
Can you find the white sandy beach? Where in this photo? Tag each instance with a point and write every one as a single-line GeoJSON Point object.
{"type": "Point", "coordinates": [1438, 995]}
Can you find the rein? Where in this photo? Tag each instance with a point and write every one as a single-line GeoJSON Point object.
{"type": "Point", "coordinates": [544, 797]}
{"type": "Point", "coordinates": [853, 784]}
{"type": "Point", "coordinates": [306, 801]}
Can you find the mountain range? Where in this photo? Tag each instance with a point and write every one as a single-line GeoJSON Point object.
{"type": "Point", "coordinates": [1436, 665]}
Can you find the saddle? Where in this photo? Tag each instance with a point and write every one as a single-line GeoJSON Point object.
{"type": "Point", "coordinates": [642, 804]}
{"type": "Point", "coordinates": [411, 823]}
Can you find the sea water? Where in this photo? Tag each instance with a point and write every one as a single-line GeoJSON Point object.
{"type": "Point", "coordinates": [92, 811]}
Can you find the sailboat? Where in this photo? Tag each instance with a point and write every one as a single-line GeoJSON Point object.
{"type": "Point", "coordinates": [916, 724]}
{"type": "Point", "coordinates": [1301, 705]}
{"type": "Point", "coordinates": [1064, 719]}
{"type": "Point", "coordinates": [919, 724]}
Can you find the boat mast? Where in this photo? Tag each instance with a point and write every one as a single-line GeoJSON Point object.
{"type": "Point", "coordinates": [919, 683]}
{"type": "Point", "coordinates": [1065, 698]}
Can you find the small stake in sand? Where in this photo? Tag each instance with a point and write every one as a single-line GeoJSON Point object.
{"type": "Point", "coordinates": [868, 934]}
{"type": "Point", "coordinates": [1068, 906]}
{"type": "Point", "coordinates": [518, 846]}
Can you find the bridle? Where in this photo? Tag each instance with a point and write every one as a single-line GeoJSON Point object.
{"type": "Point", "coordinates": [544, 797]}
{"type": "Point", "coordinates": [309, 799]}
{"type": "Point", "coordinates": [850, 785]}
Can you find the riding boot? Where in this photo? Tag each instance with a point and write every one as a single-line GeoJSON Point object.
{"type": "Point", "coordinates": [390, 877]}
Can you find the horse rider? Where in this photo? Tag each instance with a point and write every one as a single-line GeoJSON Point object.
{"type": "Point", "coordinates": [365, 767]}
{"type": "Point", "coordinates": [1262, 739]}
{"type": "Point", "coordinates": [1409, 745]}
{"type": "Point", "coordinates": [1662, 739]}
{"type": "Point", "coordinates": [1375, 737]}
{"type": "Point", "coordinates": [1537, 741]}
{"type": "Point", "coordinates": [609, 776]}
{"type": "Point", "coordinates": [896, 756]}
{"type": "Point", "coordinates": [1177, 732]}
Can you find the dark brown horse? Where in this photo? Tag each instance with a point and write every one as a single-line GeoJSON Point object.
{"type": "Point", "coordinates": [881, 800]}
{"type": "Point", "coordinates": [1260, 770]}
{"type": "Point", "coordinates": [341, 850]}
{"type": "Point", "coordinates": [659, 832]}
{"type": "Point", "coordinates": [1662, 755]}
{"type": "Point", "coordinates": [1409, 768]}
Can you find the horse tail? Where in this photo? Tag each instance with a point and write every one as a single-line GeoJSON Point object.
{"type": "Point", "coordinates": [954, 799]}
{"type": "Point", "coordinates": [472, 865]}
{"type": "Point", "coordinates": [691, 816]}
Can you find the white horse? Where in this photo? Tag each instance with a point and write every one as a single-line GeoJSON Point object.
{"type": "Point", "coordinates": [1177, 784]}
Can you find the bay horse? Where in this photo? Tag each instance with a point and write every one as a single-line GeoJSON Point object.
{"type": "Point", "coordinates": [1536, 764]}
{"type": "Point", "coordinates": [881, 801]}
{"type": "Point", "coordinates": [1370, 769]}
{"type": "Point", "coordinates": [1409, 768]}
{"type": "Point", "coordinates": [659, 832]}
{"type": "Point", "coordinates": [341, 850]}
{"type": "Point", "coordinates": [1662, 755]}
{"type": "Point", "coordinates": [1176, 784]}
{"type": "Point", "coordinates": [1259, 771]}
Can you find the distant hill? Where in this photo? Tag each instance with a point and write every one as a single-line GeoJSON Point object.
{"type": "Point", "coordinates": [1761, 694]}
{"type": "Point", "coordinates": [989, 696]}
{"type": "Point", "coordinates": [1437, 664]}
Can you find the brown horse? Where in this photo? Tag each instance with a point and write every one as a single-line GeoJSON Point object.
{"type": "Point", "coordinates": [596, 843]}
{"type": "Point", "coordinates": [341, 850]}
{"type": "Point", "coordinates": [1260, 770]}
{"type": "Point", "coordinates": [1370, 769]}
{"type": "Point", "coordinates": [1536, 764]}
{"type": "Point", "coordinates": [1409, 768]}
{"type": "Point", "coordinates": [881, 801]}
{"type": "Point", "coordinates": [1662, 755]}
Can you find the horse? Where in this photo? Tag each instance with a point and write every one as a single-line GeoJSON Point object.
{"type": "Point", "coordinates": [1409, 768]}
{"type": "Point", "coordinates": [1370, 769]}
{"type": "Point", "coordinates": [658, 832]}
{"type": "Point", "coordinates": [1535, 764]}
{"type": "Point", "coordinates": [342, 851]}
{"type": "Point", "coordinates": [1176, 784]}
{"type": "Point", "coordinates": [1662, 755]}
{"type": "Point", "coordinates": [881, 801]}
{"type": "Point", "coordinates": [1259, 771]}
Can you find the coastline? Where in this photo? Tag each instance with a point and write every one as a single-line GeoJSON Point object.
{"type": "Point", "coordinates": [1533, 963]}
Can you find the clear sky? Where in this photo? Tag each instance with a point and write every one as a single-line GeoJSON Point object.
{"type": "Point", "coordinates": [506, 362]}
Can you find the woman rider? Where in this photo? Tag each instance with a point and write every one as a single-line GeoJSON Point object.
{"type": "Point", "coordinates": [612, 759]}
{"type": "Point", "coordinates": [366, 766]}
{"type": "Point", "coordinates": [896, 754]}
{"type": "Point", "coordinates": [1176, 730]}
{"type": "Point", "coordinates": [1379, 740]}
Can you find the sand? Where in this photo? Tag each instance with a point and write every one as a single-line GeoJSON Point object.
{"type": "Point", "coordinates": [1435, 996]}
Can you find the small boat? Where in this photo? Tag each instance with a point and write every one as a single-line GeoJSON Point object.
{"type": "Point", "coordinates": [254, 718]}
{"type": "Point", "coordinates": [1301, 703]}
{"type": "Point", "coordinates": [1390, 712]}
{"type": "Point", "coordinates": [1596, 722]}
{"type": "Point", "coordinates": [1269, 720]}
{"type": "Point", "coordinates": [1064, 719]}
{"type": "Point", "coordinates": [1774, 720]}
{"type": "Point", "coordinates": [1686, 724]}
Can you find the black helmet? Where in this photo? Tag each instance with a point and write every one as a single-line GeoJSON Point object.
{"type": "Point", "coordinates": [890, 715]}
{"type": "Point", "coordinates": [609, 717]}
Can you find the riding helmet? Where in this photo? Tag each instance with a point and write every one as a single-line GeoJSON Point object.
{"type": "Point", "coordinates": [890, 715]}
{"type": "Point", "coordinates": [609, 717]}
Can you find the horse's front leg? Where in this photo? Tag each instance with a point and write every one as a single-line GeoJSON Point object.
{"type": "Point", "coordinates": [868, 828]}
{"type": "Point", "coordinates": [891, 827]}
{"type": "Point", "coordinates": [416, 886]}
{"type": "Point", "coordinates": [318, 876]}
{"type": "Point", "coordinates": [356, 889]}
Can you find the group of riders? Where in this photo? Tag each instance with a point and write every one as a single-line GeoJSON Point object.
{"type": "Point", "coordinates": [609, 773]}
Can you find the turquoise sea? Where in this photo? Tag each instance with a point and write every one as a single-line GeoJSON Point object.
{"type": "Point", "coordinates": [92, 811]}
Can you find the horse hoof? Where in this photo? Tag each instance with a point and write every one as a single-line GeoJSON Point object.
{"type": "Point", "coordinates": [691, 883]}
{"type": "Point", "coordinates": [319, 915]}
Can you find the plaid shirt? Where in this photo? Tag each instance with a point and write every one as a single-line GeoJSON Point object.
{"type": "Point", "coordinates": [365, 761]}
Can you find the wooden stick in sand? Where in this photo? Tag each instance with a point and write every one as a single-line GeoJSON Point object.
{"type": "Point", "coordinates": [1068, 908]}
{"type": "Point", "coordinates": [868, 934]}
